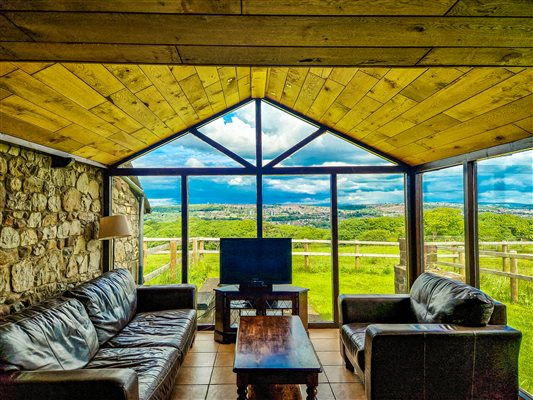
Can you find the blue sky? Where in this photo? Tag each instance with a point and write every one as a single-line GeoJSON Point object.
{"type": "Point", "coordinates": [506, 179]}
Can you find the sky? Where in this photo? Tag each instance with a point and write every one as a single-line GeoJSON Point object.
{"type": "Point", "coordinates": [507, 179]}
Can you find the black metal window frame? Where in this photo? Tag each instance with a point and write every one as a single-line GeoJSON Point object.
{"type": "Point", "coordinates": [413, 181]}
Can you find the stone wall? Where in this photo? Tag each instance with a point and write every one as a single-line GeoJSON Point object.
{"type": "Point", "coordinates": [126, 249]}
{"type": "Point", "coordinates": [48, 227]}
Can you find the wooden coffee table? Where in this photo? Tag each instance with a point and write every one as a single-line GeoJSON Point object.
{"type": "Point", "coordinates": [274, 350]}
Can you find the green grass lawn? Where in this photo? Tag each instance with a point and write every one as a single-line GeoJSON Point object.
{"type": "Point", "coordinates": [376, 275]}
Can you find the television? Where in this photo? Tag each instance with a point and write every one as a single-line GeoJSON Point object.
{"type": "Point", "coordinates": [255, 262]}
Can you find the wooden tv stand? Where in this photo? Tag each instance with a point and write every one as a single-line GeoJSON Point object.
{"type": "Point", "coordinates": [231, 304]}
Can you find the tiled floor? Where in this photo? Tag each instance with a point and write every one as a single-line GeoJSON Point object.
{"type": "Point", "coordinates": [207, 372]}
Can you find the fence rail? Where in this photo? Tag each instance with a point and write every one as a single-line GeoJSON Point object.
{"type": "Point", "coordinates": [453, 251]}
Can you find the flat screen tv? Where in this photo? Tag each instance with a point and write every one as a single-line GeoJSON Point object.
{"type": "Point", "coordinates": [255, 263]}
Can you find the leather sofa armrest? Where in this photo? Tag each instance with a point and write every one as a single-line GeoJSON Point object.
{"type": "Point", "coordinates": [499, 315]}
{"type": "Point", "coordinates": [166, 297]}
{"type": "Point", "coordinates": [418, 360]}
{"type": "Point", "coordinates": [368, 308]}
{"type": "Point", "coordinates": [80, 384]}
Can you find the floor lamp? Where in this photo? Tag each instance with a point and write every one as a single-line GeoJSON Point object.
{"type": "Point", "coordinates": [111, 227]}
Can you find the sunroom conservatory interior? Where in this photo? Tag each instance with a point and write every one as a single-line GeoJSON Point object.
{"type": "Point", "coordinates": [404, 149]}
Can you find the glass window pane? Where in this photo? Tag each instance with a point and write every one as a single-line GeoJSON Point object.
{"type": "Point", "coordinates": [371, 216]}
{"type": "Point", "coordinates": [162, 258]}
{"type": "Point", "coordinates": [444, 223]}
{"type": "Point", "coordinates": [219, 206]}
{"type": "Point", "coordinates": [330, 150]}
{"type": "Point", "coordinates": [185, 152]}
{"type": "Point", "coordinates": [298, 207]}
{"type": "Point", "coordinates": [235, 131]}
{"type": "Point", "coordinates": [281, 131]}
{"type": "Point", "coordinates": [505, 214]}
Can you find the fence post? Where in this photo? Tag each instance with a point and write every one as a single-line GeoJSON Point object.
{"type": "Point", "coordinates": [514, 281]}
{"type": "Point", "coordinates": [200, 249]}
{"type": "Point", "coordinates": [194, 251]}
{"type": "Point", "coordinates": [505, 264]}
{"type": "Point", "coordinates": [173, 251]}
{"type": "Point", "coordinates": [357, 258]}
{"type": "Point", "coordinates": [306, 257]}
{"type": "Point", "coordinates": [461, 256]}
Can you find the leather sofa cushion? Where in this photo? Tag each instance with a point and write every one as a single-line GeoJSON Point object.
{"type": "Point", "coordinates": [56, 334]}
{"type": "Point", "coordinates": [353, 337]}
{"type": "Point", "coordinates": [436, 299]}
{"type": "Point", "coordinates": [173, 328]}
{"type": "Point", "coordinates": [156, 367]}
{"type": "Point", "coordinates": [110, 301]}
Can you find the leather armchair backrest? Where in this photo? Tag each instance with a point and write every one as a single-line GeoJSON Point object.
{"type": "Point", "coordinates": [56, 334]}
{"type": "Point", "coordinates": [436, 299]}
{"type": "Point", "coordinates": [110, 301]}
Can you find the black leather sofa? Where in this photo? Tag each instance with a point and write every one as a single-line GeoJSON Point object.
{"type": "Point", "coordinates": [445, 340]}
{"type": "Point", "coordinates": [105, 339]}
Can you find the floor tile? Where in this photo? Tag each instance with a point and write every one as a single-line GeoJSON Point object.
{"type": "Point", "coordinates": [219, 392]}
{"type": "Point", "coordinates": [226, 348]}
{"type": "Point", "coordinates": [324, 392]}
{"type": "Point", "coordinates": [352, 391]}
{"type": "Point", "coordinates": [189, 392]}
{"type": "Point", "coordinates": [339, 374]}
{"type": "Point", "coordinates": [199, 359]}
{"type": "Point", "coordinates": [224, 359]}
{"type": "Point", "coordinates": [223, 375]}
{"type": "Point", "coordinates": [325, 344]}
{"type": "Point", "coordinates": [322, 377]}
{"type": "Point", "coordinates": [205, 346]}
{"type": "Point", "coordinates": [194, 375]}
{"type": "Point", "coordinates": [204, 335]}
{"type": "Point", "coordinates": [330, 357]}
{"type": "Point", "coordinates": [324, 333]}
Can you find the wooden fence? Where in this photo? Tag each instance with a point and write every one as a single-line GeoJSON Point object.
{"type": "Point", "coordinates": [452, 250]}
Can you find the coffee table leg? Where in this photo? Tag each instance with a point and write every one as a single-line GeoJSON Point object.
{"type": "Point", "coordinates": [312, 384]}
{"type": "Point", "coordinates": [242, 385]}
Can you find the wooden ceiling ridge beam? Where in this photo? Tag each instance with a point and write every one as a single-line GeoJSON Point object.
{"type": "Point", "coordinates": [342, 135]}
{"type": "Point", "coordinates": [179, 134]}
{"type": "Point", "coordinates": [494, 151]}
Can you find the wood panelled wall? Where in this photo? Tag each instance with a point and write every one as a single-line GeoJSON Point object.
{"type": "Point", "coordinates": [106, 112]}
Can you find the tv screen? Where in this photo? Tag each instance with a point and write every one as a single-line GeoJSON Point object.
{"type": "Point", "coordinates": [245, 261]}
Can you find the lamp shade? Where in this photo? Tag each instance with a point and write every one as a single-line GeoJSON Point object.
{"type": "Point", "coordinates": [114, 226]}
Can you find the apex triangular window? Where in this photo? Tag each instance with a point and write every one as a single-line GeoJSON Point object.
{"type": "Point", "coordinates": [185, 152]}
{"type": "Point", "coordinates": [328, 150]}
{"type": "Point", "coordinates": [281, 131]}
{"type": "Point", "coordinates": [235, 131]}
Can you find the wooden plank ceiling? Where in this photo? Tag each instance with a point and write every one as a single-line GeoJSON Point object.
{"type": "Point", "coordinates": [106, 112]}
{"type": "Point", "coordinates": [104, 79]}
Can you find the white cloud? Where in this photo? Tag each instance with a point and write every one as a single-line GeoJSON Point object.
{"type": "Point", "coordinates": [194, 163]}
{"type": "Point", "coordinates": [298, 185]}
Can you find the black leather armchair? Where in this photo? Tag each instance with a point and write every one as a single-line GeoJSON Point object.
{"type": "Point", "coordinates": [445, 340]}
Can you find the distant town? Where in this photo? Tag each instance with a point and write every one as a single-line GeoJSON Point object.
{"type": "Point", "coordinates": [310, 215]}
